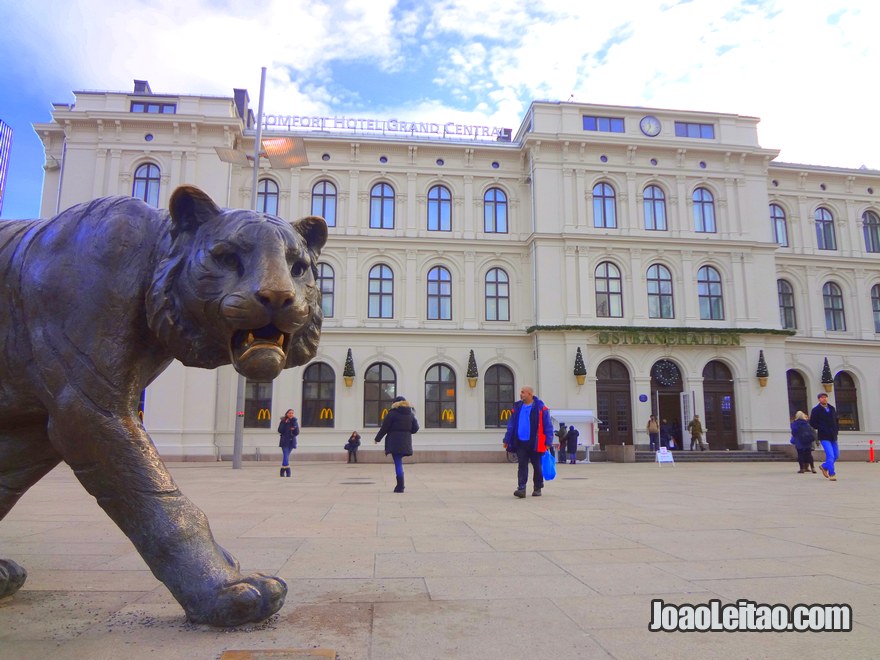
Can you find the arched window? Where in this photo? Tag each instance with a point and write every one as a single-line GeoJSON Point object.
{"type": "Point", "coordinates": [609, 296]}
{"type": "Point", "coordinates": [324, 201]}
{"type": "Point", "coordinates": [267, 196]}
{"type": "Point", "coordinates": [797, 393]}
{"type": "Point", "coordinates": [440, 397]}
{"type": "Point", "coordinates": [326, 285]}
{"type": "Point", "coordinates": [439, 294]}
{"type": "Point", "coordinates": [832, 297]}
{"type": "Point", "coordinates": [825, 239]}
{"type": "Point", "coordinates": [495, 211]}
{"type": "Point", "coordinates": [439, 209]}
{"type": "Point", "coordinates": [875, 306]}
{"type": "Point", "coordinates": [380, 388]}
{"type": "Point", "coordinates": [660, 302]}
{"type": "Point", "coordinates": [871, 227]}
{"type": "Point", "coordinates": [257, 404]}
{"type": "Point", "coordinates": [382, 207]}
{"type": "Point", "coordinates": [655, 208]}
{"type": "Point", "coordinates": [709, 293]}
{"type": "Point", "coordinates": [846, 400]}
{"type": "Point", "coordinates": [786, 305]}
{"type": "Point", "coordinates": [704, 211]}
{"type": "Point", "coordinates": [381, 295]}
{"type": "Point", "coordinates": [319, 395]}
{"type": "Point", "coordinates": [604, 206]}
{"type": "Point", "coordinates": [780, 229]}
{"type": "Point", "coordinates": [146, 184]}
{"type": "Point", "coordinates": [499, 396]}
{"type": "Point", "coordinates": [497, 295]}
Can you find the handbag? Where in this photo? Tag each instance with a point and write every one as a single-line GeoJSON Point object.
{"type": "Point", "coordinates": [548, 466]}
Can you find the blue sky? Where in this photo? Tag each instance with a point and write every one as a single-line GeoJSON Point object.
{"type": "Point", "coordinates": [807, 69]}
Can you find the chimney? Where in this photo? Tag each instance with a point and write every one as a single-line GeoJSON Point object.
{"type": "Point", "coordinates": [142, 87]}
{"type": "Point", "coordinates": [242, 99]}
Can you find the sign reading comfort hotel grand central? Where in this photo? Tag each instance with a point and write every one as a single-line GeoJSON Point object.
{"type": "Point", "coordinates": [383, 127]}
{"type": "Point", "coordinates": [642, 337]}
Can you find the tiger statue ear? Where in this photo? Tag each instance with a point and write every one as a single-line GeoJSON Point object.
{"type": "Point", "coordinates": [314, 230]}
{"type": "Point", "coordinates": [190, 207]}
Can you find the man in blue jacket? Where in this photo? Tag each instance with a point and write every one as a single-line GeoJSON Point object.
{"type": "Point", "coordinates": [529, 432]}
{"type": "Point", "coordinates": [823, 418]}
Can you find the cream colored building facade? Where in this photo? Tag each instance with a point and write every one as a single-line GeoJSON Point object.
{"type": "Point", "coordinates": [652, 240]}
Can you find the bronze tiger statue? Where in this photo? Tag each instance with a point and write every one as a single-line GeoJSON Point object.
{"type": "Point", "coordinates": [97, 302]}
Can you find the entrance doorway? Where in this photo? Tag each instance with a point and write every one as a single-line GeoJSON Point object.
{"type": "Point", "coordinates": [666, 389]}
{"type": "Point", "coordinates": [614, 404]}
{"type": "Point", "coordinates": [720, 403]}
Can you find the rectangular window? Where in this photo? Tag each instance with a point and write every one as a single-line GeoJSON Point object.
{"type": "Point", "coordinates": [693, 130]}
{"type": "Point", "coordinates": [154, 108]}
{"type": "Point", "coordinates": [258, 405]}
{"type": "Point", "coordinates": [603, 124]}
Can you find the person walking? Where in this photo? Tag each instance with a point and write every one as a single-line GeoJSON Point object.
{"type": "Point", "coordinates": [696, 429]}
{"type": "Point", "coordinates": [288, 429]}
{"type": "Point", "coordinates": [802, 438]}
{"type": "Point", "coordinates": [560, 442]}
{"type": "Point", "coordinates": [571, 441]}
{"type": "Point", "coordinates": [529, 430]}
{"type": "Point", "coordinates": [823, 418]}
{"type": "Point", "coordinates": [653, 429]}
{"type": "Point", "coordinates": [354, 441]}
{"type": "Point", "coordinates": [665, 434]}
{"type": "Point", "coordinates": [397, 428]}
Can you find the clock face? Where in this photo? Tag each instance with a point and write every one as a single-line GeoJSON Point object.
{"type": "Point", "coordinates": [650, 125]}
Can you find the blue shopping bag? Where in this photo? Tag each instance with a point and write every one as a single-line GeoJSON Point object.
{"type": "Point", "coordinates": [548, 466]}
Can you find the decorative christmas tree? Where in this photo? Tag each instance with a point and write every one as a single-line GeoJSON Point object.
{"type": "Point", "coordinates": [348, 369]}
{"type": "Point", "coordinates": [580, 369]}
{"type": "Point", "coordinates": [472, 372]}
{"type": "Point", "coordinates": [827, 378]}
{"type": "Point", "coordinates": [762, 373]}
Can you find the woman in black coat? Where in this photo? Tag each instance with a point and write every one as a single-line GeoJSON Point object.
{"type": "Point", "coordinates": [397, 429]}
{"type": "Point", "coordinates": [571, 444]}
{"type": "Point", "coordinates": [802, 438]}
{"type": "Point", "coordinates": [288, 429]}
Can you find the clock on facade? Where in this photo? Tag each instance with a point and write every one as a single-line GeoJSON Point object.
{"type": "Point", "coordinates": [650, 125]}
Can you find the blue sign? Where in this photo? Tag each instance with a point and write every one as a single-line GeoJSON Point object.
{"type": "Point", "coordinates": [643, 397]}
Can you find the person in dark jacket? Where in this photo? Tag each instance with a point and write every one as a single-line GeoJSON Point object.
{"type": "Point", "coordinates": [560, 440]}
{"type": "Point", "coordinates": [802, 438]}
{"type": "Point", "coordinates": [288, 429]}
{"type": "Point", "coordinates": [665, 434]}
{"type": "Point", "coordinates": [397, 428]}
{"type": "Point", "coordinates": [529, 431]}
{"type": "Point", "coordinates": [354, 441]}
{"type": "Point", "coordinates": [571, 441]}
{"type": "Point", "coordinates": [823, 418]}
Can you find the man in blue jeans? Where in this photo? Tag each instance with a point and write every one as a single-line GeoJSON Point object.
{"type": "Point", "coordinates": [529, 432]}
{"type": "Point", "coordinates": [823, 418]}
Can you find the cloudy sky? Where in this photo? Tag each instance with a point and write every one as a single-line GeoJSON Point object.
{"type": "Point", "coordinates": [807, 68]}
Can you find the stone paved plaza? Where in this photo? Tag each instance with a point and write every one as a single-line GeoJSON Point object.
{"type": "Point", "coordinates": [456, 567]}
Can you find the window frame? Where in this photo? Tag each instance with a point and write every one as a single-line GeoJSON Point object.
{"type": "Point", "coordinates": [654, 208]}
{"type": "Point", "coordinates": [257, 402]}
{"type": "Point", "coordinates": [314, 407]}
{"type": "Point", "coordinates": [826, 238]}
{"type": "Point", "coordinates": [779, 225]}
{"type": "Point", "coordinates": [495, 211]}
{"type": "Point", "coordinates": [498, 291]}
{"type": "Point", "coordinates": [326, 290]}
{"type": "Point", "coordinates": [787, 310]}
{"type": "Point", "coordinates": [499, 393]}
{"type": "Point", "coordinates": [710, 294]}
{"type": "Point", "coordinates": [704, 211]}
{"type": "Point", "coordinates": [149, 183]}
{"type": "Point", "coordinates": [833, 304]}
{"type": "Point", "coordinates": [380, 292]}
{"type": "Point", "coordinates": [439, 402]}
{"type": "Point", "coordinates": [439, 294]}
{"type": "Point", "coordinates": [658, 296]}
{"type": "Point", "coordinates": [875, 306]}
{"type": "Point", "coordinates": [604, 206]}
{"type": "Point", "coordinates": [609, 298]}
{"type": "Point", "coordinates": [385, 388]}
{"type": "Point", "coordinates": [267, 199]}
{"type": "Point", "coordinates": [382, 201]}
{"type": "Point", "coordinates": [439, 208]}
{"type": "Point", "coordinates": [871, 231]}
{"type": "Point", "coordinates": [324, 201]}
